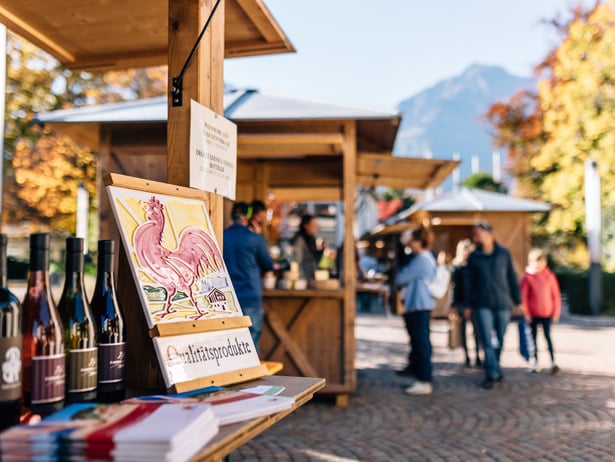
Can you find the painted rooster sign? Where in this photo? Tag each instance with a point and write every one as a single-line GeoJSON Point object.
{"type": "Point", "coordinates": [174, 257]}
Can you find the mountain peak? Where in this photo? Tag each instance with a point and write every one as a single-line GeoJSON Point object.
{"type": "Point", "coordinates": [448, 117]}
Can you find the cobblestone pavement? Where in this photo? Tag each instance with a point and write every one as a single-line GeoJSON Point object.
{"type": "Point", "coordinates": [530, 416]}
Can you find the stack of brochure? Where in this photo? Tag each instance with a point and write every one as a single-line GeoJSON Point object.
{"type": "Point", "coordinates": [121, 432]}
{"type": "Point", "coordinates": [39, 442]}
{"type": "Point", "coordinates": [229, 406]}
{"type": "Point", "coordinates": [174, 432]}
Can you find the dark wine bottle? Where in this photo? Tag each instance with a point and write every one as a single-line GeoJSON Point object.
{"type": "Point", "coordinates": [110, 329]}
{"type": "Point", "coordinates": [79, 331]}
{"type": "Point", "coordinates": [10, 348]}
{"type": "Point", "coordinates": [43, 342]}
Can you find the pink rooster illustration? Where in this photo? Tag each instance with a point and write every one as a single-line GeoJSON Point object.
{"type": "Point", "coordinates": [176, 270]}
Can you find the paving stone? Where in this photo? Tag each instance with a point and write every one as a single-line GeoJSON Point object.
{"type": "Point", "coordinates": [537, 417]}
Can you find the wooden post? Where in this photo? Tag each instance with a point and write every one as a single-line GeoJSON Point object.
{"type": "Point", "coordinates": [349, 152]}
{"type": "Point", "coordinates": [203, 81]}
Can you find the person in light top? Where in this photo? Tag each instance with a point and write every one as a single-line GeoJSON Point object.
{"type": "Point", "coordinates": [418, 305]}
{"type": "Point", "coordinates": [541, 301]}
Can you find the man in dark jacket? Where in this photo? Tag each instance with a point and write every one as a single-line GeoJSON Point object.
{"type": "Point", "coordinates": [492, 291]}
{"type": "Point", "coordinates": [247, 257]}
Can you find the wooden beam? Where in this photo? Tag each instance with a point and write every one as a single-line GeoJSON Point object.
{"type": "Point", "coordinates": [105, 62]}
{"type": "Point", "coordinates": [35, 36]}
{"type": "Point", "coordinates": [268, 145]}
{"type": "Point", "coordinates": [307, 194]}
{"type": "Point", "coordinates": [256, 48]}
{"type": "Point", "coordinates": [262, 19]}
{"type": "Point", "coordinates": [203, 82]}
{"type": "Point", "coordinates": [286, 151]}
{"type": "Point", "coordinates": [388, 182]}
{"type": "Point", "coordinates": [266, 139]}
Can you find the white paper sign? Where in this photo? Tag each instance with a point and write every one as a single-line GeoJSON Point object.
{"type": "Point", "coordinates": [213, 151]}
{"type": "Point", "coordinates": [192, 356]}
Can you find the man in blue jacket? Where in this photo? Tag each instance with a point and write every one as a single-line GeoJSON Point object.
{"type": "Point", "coordinates": [246, 255]}
{"type": "Point", "coordinates": [492, 290]}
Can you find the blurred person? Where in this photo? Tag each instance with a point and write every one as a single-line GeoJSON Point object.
{"type": "Point", "coordinates": [418, 305]}
{"type": "Point", "coordinates": [491, 291]}
{"type": "Point", "coordinates": [460, 275]}
{"type": "Point", "coordinates": [541, 302]}
{"type": "Point", "coordinates": [257, 216]}
{"type": "Point", "coordinates": [307, 250]}
{"type": "Point", "coordinates": [247, 257]}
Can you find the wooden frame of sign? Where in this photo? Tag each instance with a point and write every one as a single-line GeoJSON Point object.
{"type": "Point", "coordinates": [184, 324]}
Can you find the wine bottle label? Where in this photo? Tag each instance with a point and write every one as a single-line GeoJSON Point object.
{"type": "Point", "coordinates": [82, 370]}
{"type": "Point", "coordinates": [10, 364]}
{"type": "Point", "coordinates": [48, 378]}
{"type": "Point", "coordinates": [112, 361]}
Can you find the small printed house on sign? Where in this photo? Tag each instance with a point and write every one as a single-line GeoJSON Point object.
{"type": "Point", "coordinates": [217, 299]}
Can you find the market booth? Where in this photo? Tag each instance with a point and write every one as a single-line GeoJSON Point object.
{"type": "Point", "coordinates": [324, 157]}
{"type": "Point", "coordinates": [105, 35]}
{"type": "Point", "coordinates": [296, 150]}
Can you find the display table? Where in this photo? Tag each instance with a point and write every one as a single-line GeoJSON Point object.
{"type": "Point", "coordinates": [312, 333]}
{"type": "Point", "coordinates": [230, 437]}
{"type": "Point", "coordinates": [380, 289]}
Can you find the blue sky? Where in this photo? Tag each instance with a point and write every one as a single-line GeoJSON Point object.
{"type": "Point", "coordinates": [375, 53]}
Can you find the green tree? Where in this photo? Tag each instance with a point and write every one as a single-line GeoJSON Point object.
{"type": "Point", "coordinates": [484, 181]}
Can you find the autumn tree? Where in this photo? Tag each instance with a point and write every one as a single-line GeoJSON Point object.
{"type": "Point", "coordinates": [571, 118]}
{"type": "Point", "coordinates": [520, 131]}
{"type": "Point", "coordinates": [42, 168]}
{"type": "Point", "coordinates": [577, 98]}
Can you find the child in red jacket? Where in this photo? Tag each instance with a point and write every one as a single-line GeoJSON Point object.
{"type": "Point", "coordinates": [541, 301]}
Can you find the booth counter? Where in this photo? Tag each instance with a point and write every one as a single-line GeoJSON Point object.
{"type": "Point", "coordinates": [311, 333]}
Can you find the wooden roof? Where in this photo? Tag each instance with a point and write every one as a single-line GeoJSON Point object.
{"type": "Point", "coordinates": [462, 208]}
{"type": "Point", "coordinates": [402, 172]}
{"type": "Point", "coordinates": [114, 34]}
{"type": "Point", "coordinates": [479, 200]}
{"type": "Point", "coordinates": [277, 127]}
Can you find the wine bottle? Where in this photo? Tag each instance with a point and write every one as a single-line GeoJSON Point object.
{"type": "Point", "coordinates": [10, 348]}
{"type": "Point", "coordinates": [110, 329]}
{"type": "Point", "coordinates": [43, 343]}
{"type": "Point", "coordinates": [79, 331]}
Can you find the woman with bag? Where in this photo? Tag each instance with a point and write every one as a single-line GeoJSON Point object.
{"type": "Point", "coordinates": [458, 308]}
{"type": "Point", "coordinates": [418, 305]}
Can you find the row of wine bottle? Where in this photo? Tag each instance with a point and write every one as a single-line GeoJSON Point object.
{"type": "Point", "coordinates": [72, 352]}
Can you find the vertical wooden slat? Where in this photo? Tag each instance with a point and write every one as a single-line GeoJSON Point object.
{"type": "Point", "coordinates": [349, 151]}
{"type": "Point", "coordinates": [108, 229]}
{"type": "Point", "coordinates": [261, 188]}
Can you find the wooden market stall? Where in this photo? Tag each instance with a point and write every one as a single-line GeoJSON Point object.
{"type": "Point", "coordinates": [113, 34]}
{"type": "Point", "coordinates": [299, 151]}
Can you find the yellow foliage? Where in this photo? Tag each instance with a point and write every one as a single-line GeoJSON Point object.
{"type": "Point", "coordinates": [49, 173]}
{"type": "Point", "coordinates": [579, 116]}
